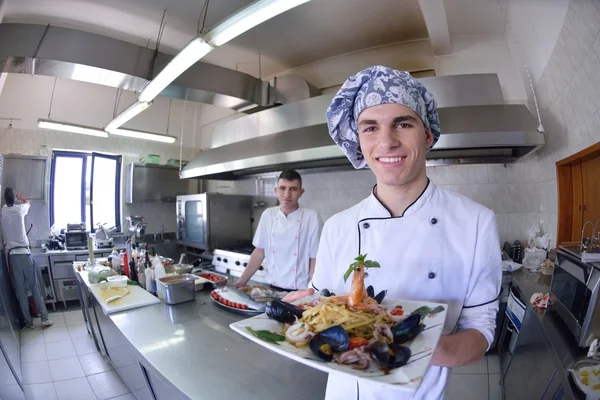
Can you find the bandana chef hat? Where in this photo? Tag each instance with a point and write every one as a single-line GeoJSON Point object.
{"type": "Point", "coordinates": [372, 87]}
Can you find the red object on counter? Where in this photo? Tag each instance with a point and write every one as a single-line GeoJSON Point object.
{"type": "Point", "coordinates": [126, 265]}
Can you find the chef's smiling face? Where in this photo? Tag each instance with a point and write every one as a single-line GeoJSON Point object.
{"type": "Point", "coordinates": [288, 193]}
{"type": "Point", "coordinates": [394, 141]}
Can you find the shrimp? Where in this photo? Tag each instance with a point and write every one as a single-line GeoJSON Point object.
{"type": "Point", "coordinates": [358, 299]}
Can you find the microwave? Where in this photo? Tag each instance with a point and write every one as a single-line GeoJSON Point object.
{"type": "Point", "coordinates": [76, 240]}
{"type": "Point", "coordinates": [574, 293]}
{"type": "Point", "coordinates": [211, 221]}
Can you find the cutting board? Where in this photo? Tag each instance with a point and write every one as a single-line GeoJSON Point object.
{"type": "Point", "coordinates": [137, 297]}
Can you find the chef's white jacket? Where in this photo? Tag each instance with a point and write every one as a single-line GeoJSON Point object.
{"type": "Point", "coordinates": [289, 243]}
{"type": "Point", "coordinates": [444, 248]}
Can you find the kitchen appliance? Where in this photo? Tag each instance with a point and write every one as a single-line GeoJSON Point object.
{"type": "Point", "coordinates": [66, 289]}
{"type": "Point", "coordinates": [76, 238]}
{"type": "Point", "coordinates": [137, 226]}
{"type": "Point", "coordinates": [574, 294]}
{"type": "Point", "coordinates": [234, 262]}
{"type": "Point", "coordinates": [210, 220]}
{"type": "Point", "coordinates": [102, 238]}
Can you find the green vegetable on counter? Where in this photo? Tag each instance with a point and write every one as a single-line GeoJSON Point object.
{"type": "Point", "coordinates": [267, 336]}
{"type": "Point", "coordinates": [132, 283]}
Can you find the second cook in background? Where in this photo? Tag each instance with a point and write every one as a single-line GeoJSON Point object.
{"type": "Point", "coordinates": [286, 239]}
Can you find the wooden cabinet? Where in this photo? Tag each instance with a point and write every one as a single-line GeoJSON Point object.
{"type": "Point", "coordinates": [578, 180]}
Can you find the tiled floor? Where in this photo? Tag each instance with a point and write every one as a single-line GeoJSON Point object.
{"type": "Point", "coordinates": [61, 363]}
{"type": "Point", "coordinates": [479, 381]}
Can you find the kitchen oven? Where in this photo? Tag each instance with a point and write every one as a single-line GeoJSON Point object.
{"type": "Point", "coordinates": [574, 296]}
{"type": "Point", "coordinates": [208, 221]}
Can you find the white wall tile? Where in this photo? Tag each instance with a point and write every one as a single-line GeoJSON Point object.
{"type": "Point", "coordinates": [458, 175]}
{"type": "Point", "coordinates": [481, 194]}
{"type": "Point", "coordinates": [516, 229]}
{"type": "Point", "coordinates": [478, 173]}
{"type": "Point", "coordinates": [502, 223]}
{"type": "Point", "coordinates": [438, 175]}
{"type": "Point", "coordinates": [499, 201]}
{"type": "Point", "coordinates": [496, 173]}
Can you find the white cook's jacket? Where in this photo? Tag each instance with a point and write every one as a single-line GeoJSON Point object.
{"type": "Point", "coordinates": [444, 248]}
{"type": "Point", "coordinates": [289, 243]}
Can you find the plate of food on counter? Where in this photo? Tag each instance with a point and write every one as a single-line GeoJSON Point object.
{"type": "Point", "coordinates": [362, 334]}
{"type": "Point", "coordinates": [248, 300]}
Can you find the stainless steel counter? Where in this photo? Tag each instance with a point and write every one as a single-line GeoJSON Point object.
{"type": "Point", "coordinates": [555, 334]}
{"type": "Point", "coordinates": [191, 348]}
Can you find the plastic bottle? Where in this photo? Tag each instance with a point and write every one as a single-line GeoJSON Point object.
{"type": "Point", "coordinates": [115, 259]}
{"type": "Point", "coordinates": [159, 272]}
{"type": "Point", "coordinates": [139, 266]}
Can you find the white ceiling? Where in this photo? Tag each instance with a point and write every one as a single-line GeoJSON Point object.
{"type": "Point", "coordinates": [314, 31]}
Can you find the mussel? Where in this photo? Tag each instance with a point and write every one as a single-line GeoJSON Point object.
{"type": "Point", "coordinates": [389, 355]}
{"type": "Point", "coordinates": [380, 296]}
{"type": "Point", "coordinates": [407, 329]}
{"type": "Point", "coordinates": [283, 312]}
{"type": "Point", "coordinates": [332, 340]}
{"type": "Point", "coordinates": [326, 293]}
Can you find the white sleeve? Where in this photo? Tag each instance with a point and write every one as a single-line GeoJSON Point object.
{"type": "Point", "coordinates": [322, 277]}
{"type": "Point", "coordinates": [313, 238]}
{"type": "Point", "coordinates": [261, 236]}
{"type": "Point", "coordinates": [24, 209]}
{"type": "Point", "coordinates": [481, 303]}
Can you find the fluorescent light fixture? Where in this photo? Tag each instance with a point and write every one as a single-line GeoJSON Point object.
{"type": "Point", "coordinates": [143, 135]}
{"type": "Point", "coordinates": [72, 128]}
{"type": "Point", "coordinates": [126, 115]}
{"type": "Point", "coordinates": [188, 56]}
{"type": "Point", "coordinates": [247, 18]}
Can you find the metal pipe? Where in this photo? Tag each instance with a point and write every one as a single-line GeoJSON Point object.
{"type": "Point", "coordinates": [585, 244]}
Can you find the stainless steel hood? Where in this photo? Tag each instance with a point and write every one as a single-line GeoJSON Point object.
{"type": "Point", "coordinates": [477, 127]}
{"type": "Point", "coordinates": [87, 57]}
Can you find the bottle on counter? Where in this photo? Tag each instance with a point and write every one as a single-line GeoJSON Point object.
{"type": "Point", "coordinates": [133, 271]}
{"type": "Point", "coordinates": [140, 270]}
{"type": "Point", "coordinates": [114, 257]}
{"type": "Point", "coordinates": [159, 272]}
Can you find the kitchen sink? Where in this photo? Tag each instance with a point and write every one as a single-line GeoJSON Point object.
{"type": "Point", "coordinates": [38, 250]}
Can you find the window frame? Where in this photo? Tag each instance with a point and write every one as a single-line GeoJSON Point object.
{"type": "Point", "coordinates": [83, 155]}
{"type": "Point", "coordinates": [117, 159]}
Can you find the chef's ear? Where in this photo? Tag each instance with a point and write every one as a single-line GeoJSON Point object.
{"type": "Point", "coordinates": [301, 192]}
{"type": "Point", "coordinates": [428, 138]}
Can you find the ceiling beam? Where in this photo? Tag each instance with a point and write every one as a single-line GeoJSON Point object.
{"type": "Point", "coordinates": [434, 14]}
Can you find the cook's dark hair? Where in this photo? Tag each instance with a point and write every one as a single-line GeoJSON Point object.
{"type": "Point", "coordinates": [9, 196]}
{"type": "Point", "coordinates": [290, 175]}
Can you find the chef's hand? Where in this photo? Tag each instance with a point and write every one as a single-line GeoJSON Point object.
{"type": "Point", "coordinates": [237, 284]}
{"type": "Point", "coordinates": [297, 295]}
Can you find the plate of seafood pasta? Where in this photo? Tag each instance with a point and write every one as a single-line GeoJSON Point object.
{"type": "Point", "coordinates": [361, 334]}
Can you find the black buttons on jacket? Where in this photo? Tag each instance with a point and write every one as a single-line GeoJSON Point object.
{"type": "Point", "coordinates": [366, 225]}
{"type": "Point", "coordinates": [431, 275]}
{"type": "Point", "coordinates": [433, 221]}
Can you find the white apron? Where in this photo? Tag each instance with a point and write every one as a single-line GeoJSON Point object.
{"type": "Point", "coordinates": [444, 248]}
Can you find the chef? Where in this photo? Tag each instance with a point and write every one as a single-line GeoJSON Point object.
{"type": "Point", "coordinates": [286, 239]}
{"type": "Point", "coordinates": [432, 244]}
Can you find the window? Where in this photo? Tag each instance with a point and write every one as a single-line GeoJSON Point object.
{"type": "Point", "coordinates": [85, 187]}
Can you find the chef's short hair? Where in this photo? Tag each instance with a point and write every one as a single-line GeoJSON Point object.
{"type": "Point", "coordinates": [9, 196]}
{"type": "Point", "coordinates": [290, 175]}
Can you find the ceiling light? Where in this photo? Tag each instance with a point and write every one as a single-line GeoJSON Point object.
{"type": "Point", "coordinates": [188, 56]}
{"type": "Point", "coordinates": [126, 115]}
{"type": "Point", "coordinates": [247, 18]}
{"type": "Point", "coordinates": [72, 128]}
{"type": "Point", "coordinates": [143, 135]}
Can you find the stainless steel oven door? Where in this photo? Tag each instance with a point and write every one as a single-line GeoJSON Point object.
{"type": "Point", "coordinates": [192, 221]}
{"type": "Point", "coordinates": [574, 293]}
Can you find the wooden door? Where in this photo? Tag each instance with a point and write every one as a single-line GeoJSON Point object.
{"type": "Point", "coordinates": [591, 190]}
{"type": "Point", "coordinates": [577, 199]}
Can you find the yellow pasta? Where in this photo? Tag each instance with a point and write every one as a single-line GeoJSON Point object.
{"type": "Point", "coordinates": [356, 323]}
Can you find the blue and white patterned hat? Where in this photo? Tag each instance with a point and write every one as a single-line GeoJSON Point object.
{"type": "Point", "coordinates": [372, 87]}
